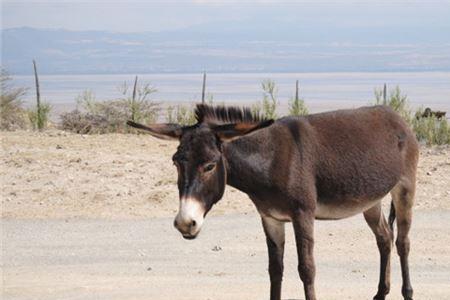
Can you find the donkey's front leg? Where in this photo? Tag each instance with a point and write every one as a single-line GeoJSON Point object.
{"type": "Point", "coordinates": [303, 222]}
{"type": "Point", "coordinates": [274, 231]}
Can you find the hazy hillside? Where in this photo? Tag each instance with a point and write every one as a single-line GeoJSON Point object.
{"type": "Point", "coordinates": [224, 47]}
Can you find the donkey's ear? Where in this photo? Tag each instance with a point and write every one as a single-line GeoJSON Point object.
{"type": "Point", "coordinates": [162, 131]}
{"type": "Point", "coordinates": [230, 132]}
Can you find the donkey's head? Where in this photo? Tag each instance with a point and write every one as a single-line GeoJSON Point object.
{"type": "Point", "coordinates": [199, 158]}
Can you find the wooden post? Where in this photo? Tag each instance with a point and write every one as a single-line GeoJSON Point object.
{"type": "Point", "coordinates": [39, 121]}
{"type": "Point", "coordinates": [296, 90]}
{"type": "Point", "coordinates": [384, 94]}
{"type": "Point", "coordinates": [134, 88]}
{"type": "Point", "coordinates": [203, 87]}
{"type": "Point", "coordinates": [133, 101]}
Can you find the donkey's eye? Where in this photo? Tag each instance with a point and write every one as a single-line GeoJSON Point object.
{"type": "Point", "coordinates": [209, 167]}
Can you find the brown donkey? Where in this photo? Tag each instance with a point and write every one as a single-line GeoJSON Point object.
{"type": "Point", "coordinates": [324, 166]}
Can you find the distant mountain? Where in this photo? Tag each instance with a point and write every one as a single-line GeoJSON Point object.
{"type": "Point", "coordinates": [222, 47]}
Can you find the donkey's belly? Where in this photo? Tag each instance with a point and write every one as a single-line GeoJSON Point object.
{"type": "Point", "coordinates": [341, 210]}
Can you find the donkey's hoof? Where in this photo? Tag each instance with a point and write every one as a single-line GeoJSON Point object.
{"type": "Point", "coordinates": [407, 293]}
{"type": "Point", "coordinates": [379, 297]}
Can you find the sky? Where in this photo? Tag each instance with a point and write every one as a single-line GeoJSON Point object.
{"type": "Point", "coordinates": [157, 16]}
{"type": "Point", "coordinates": [111, 36]}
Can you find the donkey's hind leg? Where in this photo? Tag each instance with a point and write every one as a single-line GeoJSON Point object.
{"type": "Point", "coordinates": [403, 197]}
{"type": "Point", "coordinates": [377, 222]}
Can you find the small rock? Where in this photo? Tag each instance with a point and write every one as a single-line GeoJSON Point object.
{"type": "Point", "coordinates": [59, 147]}
{"type": "Point", "coordinates": [429, 173]}
{"type": "Point", "coordinates": [216, 248]}
{"type": "Point", "coordinates": [149, 268]}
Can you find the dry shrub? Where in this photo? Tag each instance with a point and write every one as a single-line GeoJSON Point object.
{"type": "Point", "coordinates": [79, 122]}
{"type": "Point", "coordinates": [108, 116]}
{"type": "Point", "coordinates": [12, 113]}
{"type": "Point", "coordinates": [94, 116]}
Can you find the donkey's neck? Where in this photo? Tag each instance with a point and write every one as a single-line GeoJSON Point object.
{"type": "Point", "coordinates": [247, 168]}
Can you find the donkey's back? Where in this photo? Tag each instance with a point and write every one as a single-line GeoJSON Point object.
{"type": "Point", "coordinates": [360, 155]}
{"type": "Point", "coordinates": [349, 159]}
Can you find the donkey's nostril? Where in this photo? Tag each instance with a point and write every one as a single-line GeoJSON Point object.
{"type": "Point", "coordinates": [175, 224]}
{"type": "Point", "coordinates": [193, 224]}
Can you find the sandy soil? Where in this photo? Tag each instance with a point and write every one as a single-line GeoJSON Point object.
{"type": "Point", "coordinates": [90, 217]}
{"type": "Point", "coordinates": [62, 175]}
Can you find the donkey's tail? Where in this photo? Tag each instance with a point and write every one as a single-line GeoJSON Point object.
{"type": "Point", "coordinates": [392, 216]}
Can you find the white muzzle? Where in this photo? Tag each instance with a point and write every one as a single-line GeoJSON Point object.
{"type": "Point", "coordinates": [189, 219]}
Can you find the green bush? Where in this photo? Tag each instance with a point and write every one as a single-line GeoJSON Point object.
{"type": "Point", "coordinates": [180, 114]}
{"type": "Point", "coordinates": [431, 130]}
{"type": "Point", "coordinates": [397, 101]}
{"type": "Point", "coordinates": [39, 117]}
{"type": "Point", "coordinates": [87, 101]}
{"type": "Point", "coordinates": [297, 107]}
{"type": "Point", "coordinates": [137, 103]}
{"type": "Point", "coordinates": [269, 102]}
{"type": "Point", "coordinates": [428, 130]}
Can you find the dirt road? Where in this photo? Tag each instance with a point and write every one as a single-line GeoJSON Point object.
{"type": "Point", "coordinates": [148, 259]}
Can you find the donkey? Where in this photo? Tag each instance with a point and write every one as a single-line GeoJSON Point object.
{"type": "Point", "coordinates": [325, 166]}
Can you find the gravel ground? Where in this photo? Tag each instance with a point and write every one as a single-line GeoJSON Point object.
{"type": "Point", "coordinates": [148, 259]}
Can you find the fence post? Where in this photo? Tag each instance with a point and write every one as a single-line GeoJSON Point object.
{"type": "Point", "coordinates": [39, 121]}
{"type": "Point", "coordinates": [296, 90]}
{"type": "Point", "coordinates": [384, 94]}
{"type": "Point", "coordinates": [133, 100]}
{"type": "Point", "coordinates": [203, 87]}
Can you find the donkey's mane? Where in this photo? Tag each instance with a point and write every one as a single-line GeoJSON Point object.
{"type": "Point", "coordinates": [224, 115]}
